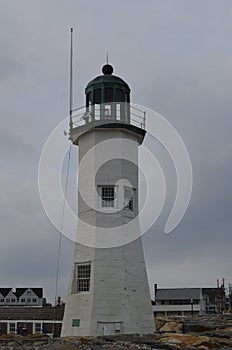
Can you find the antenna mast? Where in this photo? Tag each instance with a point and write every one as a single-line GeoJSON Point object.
{"type": "Point", "coordinates": [71, 81]}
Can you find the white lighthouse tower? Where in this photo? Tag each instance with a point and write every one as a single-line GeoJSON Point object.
{"type": "Point", "coordinates": [108, 290]}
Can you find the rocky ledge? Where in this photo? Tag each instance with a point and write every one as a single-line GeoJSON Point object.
{"type": "Point", "coordinates": [172, 333]}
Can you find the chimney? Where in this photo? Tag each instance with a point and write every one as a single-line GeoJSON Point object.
{"type": "Point", "coordinates": [155, 289]}
{"type": "Point", "coordinates": [58, 303]}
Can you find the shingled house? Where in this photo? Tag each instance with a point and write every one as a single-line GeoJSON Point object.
{"type": "Point", "coordinates": [24, 311]}
{"type": "Point", "coordinates": [31, 320]}
{"type": "Point", "coordinates": [21, 297]}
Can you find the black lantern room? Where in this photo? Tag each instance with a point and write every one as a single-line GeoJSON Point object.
{"type": "Point", "coordinates": [107, 98]}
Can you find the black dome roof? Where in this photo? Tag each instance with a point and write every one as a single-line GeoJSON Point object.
{"type": "Point", "coordinates": [107, 78]}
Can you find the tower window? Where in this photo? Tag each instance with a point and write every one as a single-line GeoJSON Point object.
{"type": "Point", "coordinates": [88, 99]}
{"type": "Point", "coordinates": [83, 277]}
{"type": "Point", "coordinates": [118, 107]}
{"type": "Point", "coordinates": [107, 111]}
{"type": "Point", "coordinates": [97, 111]}
{"type": "Point", "coordinates": [128, 198]}
{"type": "Point", "coordinates": [108, 95]}
{"type": "Point", "coordinates": [127, 98]}
{"type": "Point", "coordinates": [119, 96]}
{"type": "Point", "coordinates": [97, 96]}
{"type": "Point", "coordinates": [107, 196]}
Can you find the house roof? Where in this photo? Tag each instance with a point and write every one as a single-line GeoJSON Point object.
{"type": "Point", "coordinates": [19, 291]}
{"type": "Point", "coordinates": [178, 293]}
{"type": "Point", "coordinates": [37, 291]}
{"type": "Point", "coordinates": [5, 291]}
{"type": "Point", "coordinates": [32, 313]}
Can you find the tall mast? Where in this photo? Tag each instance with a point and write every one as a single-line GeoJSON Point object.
{"type": "Point", "coordinates": [71, 80]}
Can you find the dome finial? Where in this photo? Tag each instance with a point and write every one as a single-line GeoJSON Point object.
{"type": "Point", "coordinates": [107, 69]}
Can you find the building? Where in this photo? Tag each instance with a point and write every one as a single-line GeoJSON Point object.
{"type": "Point", "coordinates": [24, 311]}
{"type": "Point", "coordinates": [21, 297]}
{"type": "Point", "coordinates": [31, 320]}
{"type": "Point", "coordinates": [188, 301]}
{"type": "Point", "coordinates": [178, 302]}
{"type": "Point", "coordinates": [108, 291]}
{"type": "Point", "coordinates": [215, 300]}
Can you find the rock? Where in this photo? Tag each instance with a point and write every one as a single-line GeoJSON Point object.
{"type": "Point", "coordinates": [159, 322]}
{"type": "Point", "coordinates": [185, 339]}
{"type": "Point", "coordinates": [197, 327]}
{"type": "Point", "coordinates": [11, 343]}
{"type": "Point", "coordinates": [173, 341]}
{"type": "Point", "coordinates": [172, 326]}
{"type": "Point", "coordinates": [200, 340]}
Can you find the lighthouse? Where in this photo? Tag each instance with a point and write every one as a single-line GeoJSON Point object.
{"type": "Point", "coordinates": [108, 292]}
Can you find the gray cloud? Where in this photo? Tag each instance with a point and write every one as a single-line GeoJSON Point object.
{"type": "Point", "coordinates": [176, 56]}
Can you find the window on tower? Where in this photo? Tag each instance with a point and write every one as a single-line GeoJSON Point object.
{"type": "Point", "coordinates": [128, 198]}
{"type": "Point", "coordinates": [107, 194]}
{"type": "Point", "coordinates": [83, 271]}
{"type": "Point", "coordinates": [108, 92]}
{"type": "Point", "coordinates": [97, 96]}
{"type": "Point", "coordinates": [107, 111]}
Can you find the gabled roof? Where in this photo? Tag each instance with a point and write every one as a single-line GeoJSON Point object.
{"type": "Point", "coordinates": [21, 291]}
{"type": "Point", "coordinates": [5, 291]}
{"type": "Point", "coordinates": [38, 292]}
{"type": "Point", "coordinates": [178, 293]}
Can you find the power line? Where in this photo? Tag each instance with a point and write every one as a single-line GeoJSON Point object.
{"type": "Point", "coordinates": [60, 233]}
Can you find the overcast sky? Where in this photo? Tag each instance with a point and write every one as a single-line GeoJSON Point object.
{"type": "Point", "coordinates": [177, 58]}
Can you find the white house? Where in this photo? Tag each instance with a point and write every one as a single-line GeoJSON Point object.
{"type": "Point", "coordinates": [178, 301]}
{"type": "Point", "coordinates": [21, 297]}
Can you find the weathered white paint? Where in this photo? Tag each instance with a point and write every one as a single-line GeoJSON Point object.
{"type": "Point", "coordinates": [119, 298]}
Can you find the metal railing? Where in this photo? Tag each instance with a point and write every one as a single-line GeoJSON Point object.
{"type": "Point", "coordinates": [110, 112]}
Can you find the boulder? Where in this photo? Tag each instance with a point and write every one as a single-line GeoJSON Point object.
{"type": "Point", "coordinates": [172, 326]}
{"type": "Point", "coordinates": [159, 322]}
